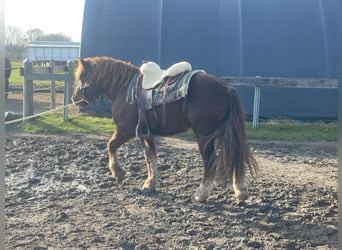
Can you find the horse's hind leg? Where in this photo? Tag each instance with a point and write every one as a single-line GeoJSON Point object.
{"type": "Point", "coordinates": [151, 163]}
{"type": "Point", "coordinates": [240, 189]}
{"type": "Point", "coordinates": [207, 150]}
{"type": "Point", "coordinates": [114, 143]}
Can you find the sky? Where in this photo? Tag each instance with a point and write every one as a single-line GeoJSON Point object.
{"type": "Point", "coordinates": [51, 16]}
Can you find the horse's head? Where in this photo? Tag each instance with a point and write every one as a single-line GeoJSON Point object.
{"type": "Point", "coordinates": [88, 87]}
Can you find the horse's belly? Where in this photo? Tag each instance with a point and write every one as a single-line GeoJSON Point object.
{"type": "Point", "coordinates": [169, 119]}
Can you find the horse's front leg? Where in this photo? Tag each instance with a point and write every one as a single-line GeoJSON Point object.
{"type": "Point", "coordinates": [151, 164]}
{"type": "Point", "coordinates": [114, 166]}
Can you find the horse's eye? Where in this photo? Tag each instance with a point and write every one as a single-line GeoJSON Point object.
{"type": "Point", "coordinates": [84, 78]}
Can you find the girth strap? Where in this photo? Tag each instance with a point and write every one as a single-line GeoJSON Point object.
{"type": "Point", "coordinates": [142, 129]}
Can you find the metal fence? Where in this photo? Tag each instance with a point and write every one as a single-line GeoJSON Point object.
{"type": "Point", "coordinates": [277, 82]}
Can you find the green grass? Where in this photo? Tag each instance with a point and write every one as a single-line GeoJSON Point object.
{"type": "Point", "coordinates": [16, 80]}
{"type": "Point", "coordinates": [53, 123]}
{"type": "Point", "coordinates": [294, 132]}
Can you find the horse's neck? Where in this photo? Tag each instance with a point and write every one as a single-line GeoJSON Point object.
{"type": "Point", "coordinates": [119, 86]}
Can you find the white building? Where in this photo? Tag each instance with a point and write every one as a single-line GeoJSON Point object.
{"type": "Point", "coordinates": [59, 51]}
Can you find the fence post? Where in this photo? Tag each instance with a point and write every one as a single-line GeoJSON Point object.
{"type": "Point", "coordinates": [28, 89]}
{"type": "Point", "coordinates": [67, 86]}
{"type": "Point", "coordinates": [52, 88]}
{"type": "Point", "coordinates": [256, 107]}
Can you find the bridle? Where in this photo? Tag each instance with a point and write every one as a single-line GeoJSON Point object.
{"type": "Point", "coordinates": [80, 90]}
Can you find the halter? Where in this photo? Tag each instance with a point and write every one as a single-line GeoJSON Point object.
{"type": "Point", "coordinates": [80, 90]}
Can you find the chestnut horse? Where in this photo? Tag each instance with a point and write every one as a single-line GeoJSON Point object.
{"type": "Point", "coordinates": [213, 111]}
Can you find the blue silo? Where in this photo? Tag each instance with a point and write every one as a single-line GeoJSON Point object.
{"type": "Point", "coordinates": [270, 38]}
{"type": "Point", "coordinates": [129, 30]}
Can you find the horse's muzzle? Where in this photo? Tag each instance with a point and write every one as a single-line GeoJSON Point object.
{"type": "Point", "coordinates": [78, 97]}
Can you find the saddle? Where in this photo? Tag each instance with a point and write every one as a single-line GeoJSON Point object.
{"type": "Point", "coordinates": [154, 78]}
{"type": "Point", "coordinates": [153, 84]}
{"type": "Point", "coordinates": [153, 75]}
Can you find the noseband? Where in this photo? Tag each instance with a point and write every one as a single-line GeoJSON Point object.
{"type": "Point", "coordinates": [81, 93]}
{"type": "Point", "coordinates": [80, 90]}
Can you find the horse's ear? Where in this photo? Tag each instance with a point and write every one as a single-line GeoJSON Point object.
{"type": "Point", "coordinates": [81, 61]}
{"type": "Point", "coordinates": [84, 63]}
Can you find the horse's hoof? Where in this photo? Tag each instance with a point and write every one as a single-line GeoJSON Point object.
{"type": "Point", "coordinates": [145, 190]}
{"type": "Point", "coordinates": [199, 198]}
{"type": "Point", "coordinates": [149, 185]}
{"type": "Point", "coordinates": [241, 198]}
{"type": "Point", "coordinates": [120, 176]}
{"type": "Point", "coordinates": [148, 189]}
{"type": "Point", "coordinates": [203, 192]}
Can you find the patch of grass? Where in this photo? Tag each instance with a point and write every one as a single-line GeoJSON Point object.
{"type": "Point", "coordinates": [16, 80]}
{"type": "Point", "coordinates": [294, 132]}
{"type": "Point", "coordinates": [53, 123]}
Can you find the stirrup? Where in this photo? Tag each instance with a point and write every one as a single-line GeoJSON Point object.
{"type": "Point", "coordinates": [142, 132]}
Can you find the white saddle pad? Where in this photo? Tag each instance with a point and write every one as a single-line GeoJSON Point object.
{"type": "Point", "coordinates": [153, 75]}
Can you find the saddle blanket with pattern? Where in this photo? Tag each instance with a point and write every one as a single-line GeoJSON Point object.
{"type": "Point", "coordinates": [169, 90]}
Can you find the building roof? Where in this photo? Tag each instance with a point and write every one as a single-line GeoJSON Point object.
{"type": "Point", "coordinates": [54, 44]}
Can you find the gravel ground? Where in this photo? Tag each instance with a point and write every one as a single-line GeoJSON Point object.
{"type": "Point", "coordinates": [59, 194]}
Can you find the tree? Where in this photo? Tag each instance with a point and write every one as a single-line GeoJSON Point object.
{"type": "Point", "coordinates": [55, 37]}
{"type": "Point", "coordinates": [14, 36]}
{"type": "Point", "coordinates": [16, 40]}
{"type": "Point", "coordinates": [34, 34]}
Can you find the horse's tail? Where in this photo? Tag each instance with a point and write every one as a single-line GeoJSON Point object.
{"type": "Point", "coordinates": [233, 154]}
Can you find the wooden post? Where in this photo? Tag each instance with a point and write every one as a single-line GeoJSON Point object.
{"type": "Point", "coordinates": [52, 88]}
{"type": "Point", "coordinates": [67, 89]}
{"type": "Point", "coordinates": [28, 89]}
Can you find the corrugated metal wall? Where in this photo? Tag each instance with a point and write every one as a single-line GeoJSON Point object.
{"type": "Point", "coordinates": [127, 30]}
{"type": "Point", "coordinates": [226, 37]}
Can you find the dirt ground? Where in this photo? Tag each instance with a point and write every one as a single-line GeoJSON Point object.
{"type": "Point", "coordinates": [59, 194]}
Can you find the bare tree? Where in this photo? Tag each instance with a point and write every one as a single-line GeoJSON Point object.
{"type": "Point", "coordinates": [16, 40]}
{"type": "Point", "coordinates": [34, 34]}
{"type": "Point", "coordinates": [55, 37]}
{"type": "Point", "coordinates": [14, 36]}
